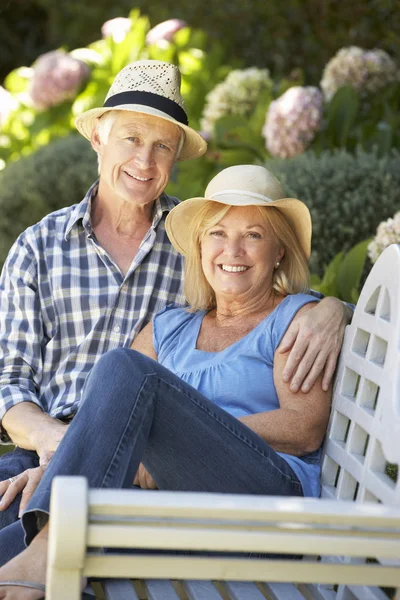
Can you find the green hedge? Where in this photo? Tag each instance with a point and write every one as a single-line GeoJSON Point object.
{"type": "Point", "coordinates": [58, 175]}
{"type": "Point", "coordinates": [348, 196]}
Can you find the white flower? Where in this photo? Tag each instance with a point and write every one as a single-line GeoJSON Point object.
{"type": "Point", "coordinates": [365, 70]}
{"type": "Point", "coordinates": [387, 232]}
{"type": "Point", "coordinates": [237, 95]}
{"type": "Point", "coordinates": [116, 28]}
{"type": "Point", "coordinates": [165, 31]}
{"type": "Point", "coordinates": [7, 104]}
{"type": "Point", "coordinates": [292, 121]}
{"type": "Point", "coordinates": [57, 77]}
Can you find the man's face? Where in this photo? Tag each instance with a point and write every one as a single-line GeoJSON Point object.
{"type": "Point", "coordinates": [137, 159]}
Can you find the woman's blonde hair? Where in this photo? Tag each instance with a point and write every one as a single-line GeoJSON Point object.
{"type": "Point", "coordinates": [291, 277]}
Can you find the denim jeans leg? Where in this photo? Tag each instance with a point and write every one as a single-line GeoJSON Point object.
{"type": "Point", "coordinates": [11, 531]}
{"type": "Point", "coordinates": [11, 542]}
{"type": "Point", "coordinates": [11, 464]}
{"type": "Point", "coordinates": [134, 409]}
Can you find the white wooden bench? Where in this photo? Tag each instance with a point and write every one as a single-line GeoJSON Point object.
{"type": "Point", "coordinates": [350, 539]}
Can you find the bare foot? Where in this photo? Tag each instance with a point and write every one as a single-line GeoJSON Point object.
{"type": "Point", "coordinates": [30, 565]}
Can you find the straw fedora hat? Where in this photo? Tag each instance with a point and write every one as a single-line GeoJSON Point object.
{"type": "Point", "coordinates": [243, 185]}
{"type": "Point", "coordinates": [148, 87]}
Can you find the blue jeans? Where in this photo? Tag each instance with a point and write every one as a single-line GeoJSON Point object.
{"type": "Point", "coordinates": [12, 533]}
{"type": "Point", "coordinates": [134, 410]}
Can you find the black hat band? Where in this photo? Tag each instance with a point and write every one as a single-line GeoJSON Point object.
{"type": "Point", "coordinates": [165, 105]}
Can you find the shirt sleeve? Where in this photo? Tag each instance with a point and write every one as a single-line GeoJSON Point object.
{"type": "Point", "coordinates": [168, 324]}
{"type": "Point", "coordinates": [21, 327]}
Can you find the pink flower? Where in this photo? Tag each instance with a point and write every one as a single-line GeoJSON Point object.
{"type": "Point", "coordinates": [116, 28]}
{"type": "Point", "coordinates": [292, 121]}
{"type": "Point", "coordinates": [7, 104]}
{"type": "Point", "coordinates": [165, 31]}
{"type": "Point", "coordinates": [57, 77]}
{"type": "Point", "coordinates": [365, 70]}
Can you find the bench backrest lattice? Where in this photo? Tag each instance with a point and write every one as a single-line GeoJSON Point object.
{"type": "Point", "coordinates": [365, 417]}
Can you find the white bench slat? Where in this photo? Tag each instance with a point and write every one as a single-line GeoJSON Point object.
{"type": "Point", "coordinates": [338, 542]}
{"type": "Point", "coordinates": [243, 590]}
{"type": "Point", "coordinates": [282, 591]}
{"type": "Point", "coordinates": [361, 592]}
{"type": "Point", "coordinates": [257, 509]}
{"type": "Point", "coordinates": [317, 592]}
{"type": "Point", "coordinates": [158, 589]}
{"type": "Point", "coordinates": [162, 567]}
{"type": "Point", "coordinates": [201, 590]}
{"type": "Point", "coordinates": [118, 589]}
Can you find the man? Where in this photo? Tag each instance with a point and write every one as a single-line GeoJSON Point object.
{"type": "Point", "coordinates": [87, 278]}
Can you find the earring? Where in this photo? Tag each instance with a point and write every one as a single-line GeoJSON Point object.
{"type": "Point", "coordinates": [277, 264]}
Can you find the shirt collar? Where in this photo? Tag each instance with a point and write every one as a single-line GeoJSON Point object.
{"type": "Point", "coordinates": [81, 212]}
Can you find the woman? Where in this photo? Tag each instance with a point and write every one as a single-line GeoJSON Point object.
{"type": "Point", "coordinates": [212, 414]}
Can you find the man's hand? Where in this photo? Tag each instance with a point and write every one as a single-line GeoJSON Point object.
{"type": "Point", "coordinates": [144, 480]}
{"type": "Point", "coordinates": [25, 482]}
{"type": "Point", "coordinates": [315, 340]}
{"type": "Point", "coordinates": [32, 429]}
{"type": "Point", "coordinates": [46, 445]}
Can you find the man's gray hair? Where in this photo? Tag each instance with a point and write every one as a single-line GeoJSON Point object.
{"type": "Point", "coordinates": [104, 126]}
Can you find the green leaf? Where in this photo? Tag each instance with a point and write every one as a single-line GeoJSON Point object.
{"type": "Point", "coordinates": [88, 56]}
{"type": "Point", "coordinates": [329, 284]}
{"type": "Point", "coordinates": [341, 114]}
{"type": "Point", "coordinates": [17, 81]}
{"type": "Point", "coordinates": [350, 271]}
{"type": "Point", "coordinates": [257, 119]}
{"type": "Point", "coordinates": [225, 126]}
{"type": "Point", "coordinates": [182, 37]}
{"type": "Point", "coordinates": [315, 282]}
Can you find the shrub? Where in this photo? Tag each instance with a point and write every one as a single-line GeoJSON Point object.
{"type": "Point", "coordinates": [57, 175]}
{"type": "Point", "coordinates": [348, 195]}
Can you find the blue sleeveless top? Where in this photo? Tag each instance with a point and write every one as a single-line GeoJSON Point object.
{"type": "Point", "coordinates": [239, 378]}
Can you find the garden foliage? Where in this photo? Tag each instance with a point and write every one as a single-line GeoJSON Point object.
{"type": "Point", "coordinates": [58, 175]}
{"type": "Point", "coordinates": [29, 127]}
{"type": "Point", "coordinates": [347, 194]}
{"type": "Point", "coordinates": [278, 35]}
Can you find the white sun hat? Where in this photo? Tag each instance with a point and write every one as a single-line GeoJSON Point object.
{"type": "Point", "coordinates": [148, 87]}
{"type": "Point", "coordinates": [242, 185]}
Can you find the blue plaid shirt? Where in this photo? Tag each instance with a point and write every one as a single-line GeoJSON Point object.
{"type": "Point", "coordinates": [64, 303]}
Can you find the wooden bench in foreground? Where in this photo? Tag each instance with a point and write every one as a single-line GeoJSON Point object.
{"type": "Point", "coordinates": [349, 539]}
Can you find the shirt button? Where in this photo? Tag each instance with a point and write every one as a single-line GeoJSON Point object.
{"type": "Point", "coordinates": [116, 328]}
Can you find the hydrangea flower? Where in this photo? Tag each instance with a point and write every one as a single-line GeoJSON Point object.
{"type": "Point", "coordinates": [165, 31]}
{"type": "Point", "coordinates": [7, 104]}
{"type": "Point", "coordinates": [237, 95]}
{"type": "Point", "coordinates": [57, 77]}
{"type": "Point", "coordinates": [365, 70]}
{"type": "Point", "coordinates": [387, 232]}
{"type": "Point", "coordinates": [116, 28]}
{"type": "Point", "coordinates": [292, 121]}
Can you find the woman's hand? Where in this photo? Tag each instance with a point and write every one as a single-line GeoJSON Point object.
{"type": "Point", "coordinates": [314, 341]}
{"type": "Point", "coordinates": [144, 480]}
{"type": "Point", "coordinates": [26, 482]}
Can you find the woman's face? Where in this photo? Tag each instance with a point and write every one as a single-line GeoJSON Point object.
{"type": "Point", "coordinates": [238, 255]}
